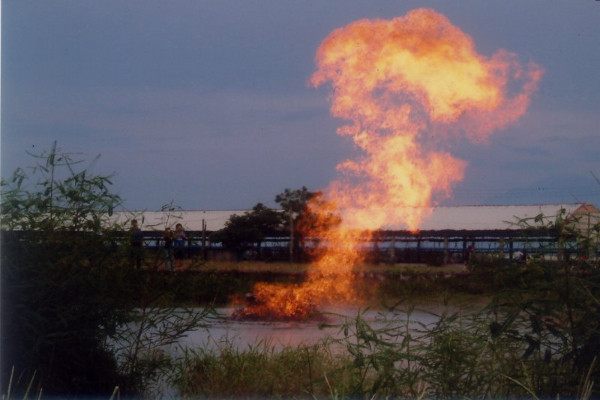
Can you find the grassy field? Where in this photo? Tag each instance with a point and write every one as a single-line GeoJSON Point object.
{"type": "Point", "coordinates": [380, 285]}
{"type": "Point", "coordinates": [257, 266]}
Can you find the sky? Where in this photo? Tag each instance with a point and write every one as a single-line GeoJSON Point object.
{"type": "Point", "coordinates": [207, 104]}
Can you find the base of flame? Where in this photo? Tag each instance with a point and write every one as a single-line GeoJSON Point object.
{"type": "Point", "coordinates": [258, 312]}
{"type": "Point", "coordinates": [271, 302]}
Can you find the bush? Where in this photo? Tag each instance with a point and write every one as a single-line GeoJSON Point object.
{"type": "Point", "coordinates": [62, 285]}
{"type": "Point", "coordinates": [75, 314]}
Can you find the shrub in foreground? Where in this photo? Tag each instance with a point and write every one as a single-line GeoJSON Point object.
{"type": "Point", "coordinates": [75, 314]}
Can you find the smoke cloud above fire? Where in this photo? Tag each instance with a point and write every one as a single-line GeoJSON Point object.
{"type": "Point", "coordinates": [406, 85]}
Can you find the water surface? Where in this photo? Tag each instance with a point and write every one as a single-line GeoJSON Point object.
{"type": "Point", "coordinates": [243, 334]}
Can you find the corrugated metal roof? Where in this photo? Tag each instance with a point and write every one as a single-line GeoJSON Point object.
{"type": "Point", "coordinates": [490, 217]}
{"type": "Point", "coordinates": [191, 220]}
{"type": "Point", "coordinates": [436, 218]}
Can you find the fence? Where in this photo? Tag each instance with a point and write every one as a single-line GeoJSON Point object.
{"type": "Point", "coordinates": [432, 247]}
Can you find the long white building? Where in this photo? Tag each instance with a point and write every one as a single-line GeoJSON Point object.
{"type": "Point", "coordinates": [443, 218]}
{"type": "Point", "coordinates": [444, 234]}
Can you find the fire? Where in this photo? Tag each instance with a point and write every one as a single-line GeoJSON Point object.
{"type": "Point", "coordinates": [405, 85]}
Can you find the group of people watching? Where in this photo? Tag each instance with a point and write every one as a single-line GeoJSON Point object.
{"type": "Point", "coordinates": [172, 249]}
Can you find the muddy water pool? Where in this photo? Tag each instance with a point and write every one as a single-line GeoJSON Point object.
{"type": "Point", "coordinates": [244, 334]}
{"type": "Point", "coordinates": [227, 333]}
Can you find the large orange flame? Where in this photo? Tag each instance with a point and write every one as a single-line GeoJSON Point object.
{"type": "Point", "coordinates": [404, 85]}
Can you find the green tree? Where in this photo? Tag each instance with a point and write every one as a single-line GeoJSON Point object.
{"type": "Point", "coordinates": [307, 213]}
{"type": "Point", "coordinates": [58, 254]}
{"type": "Point", "coordinates": [242, 232]}
{"type": "Point", "coordinates": [294, 203]}
{"type": "Point", "coordinates": [69, 298]}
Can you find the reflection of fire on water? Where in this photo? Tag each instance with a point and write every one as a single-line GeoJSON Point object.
{"type": "Point", "coordinates": [406, 86]}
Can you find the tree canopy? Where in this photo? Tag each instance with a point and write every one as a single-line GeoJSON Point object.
{"type": "Point", "coordinates": [295, 201]}
{"type": "Point", "coordinates": [250, 228]}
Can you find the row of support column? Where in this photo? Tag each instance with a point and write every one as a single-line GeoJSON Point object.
{"type": "Point", "coordinates": [446, 247]}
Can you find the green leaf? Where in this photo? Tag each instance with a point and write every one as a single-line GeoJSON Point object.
{"type": "Point", "coordinates": [497, 329]}
{"type": "Point", "coordinates": [535, 324]}
{"type": "Point", "coordinates": [533, 346]}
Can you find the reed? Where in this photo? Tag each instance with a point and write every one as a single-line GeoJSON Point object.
{"type": "Point", "coordinates": [263, 371]}
{"type": "Point", "coordinates": [468, 355]}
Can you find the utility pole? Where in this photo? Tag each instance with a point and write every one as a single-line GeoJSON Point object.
{"type": "Point", "coordinates": [291, 236]}
{"type": "Point", "coordinates": [203, 240]}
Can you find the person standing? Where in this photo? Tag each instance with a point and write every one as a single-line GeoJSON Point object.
{"type": "Point", "coordinates": [179, 239]}
{"type": "Point", "coordinates": [168, 249]}
{"type": "Point", "coordinates": [136, 245]}
{"type": "Point", "coordinates": [470, 256]}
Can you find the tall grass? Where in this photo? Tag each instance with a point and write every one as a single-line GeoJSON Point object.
{"type": "Point", "coordinates": [261, 370]}
{"type": "Point", "coordinates": [472, 355]}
